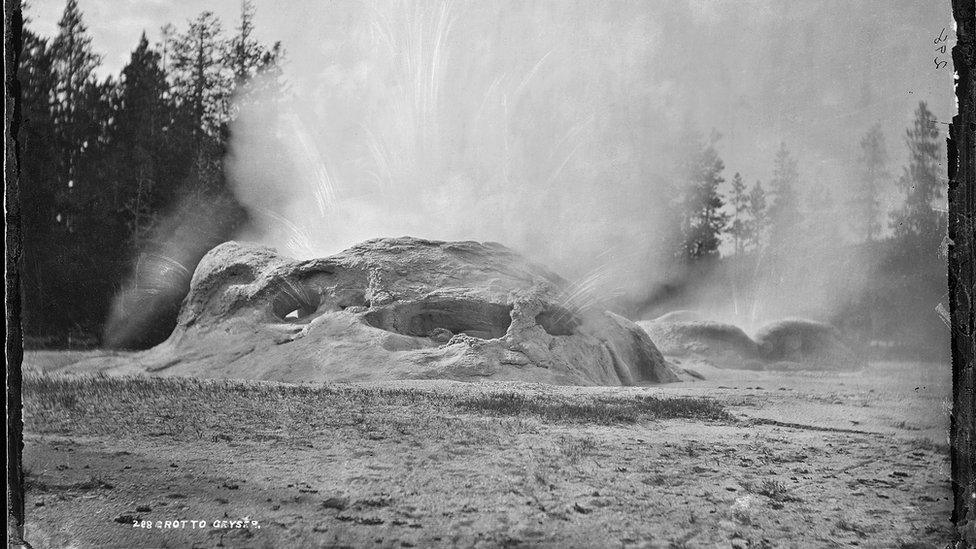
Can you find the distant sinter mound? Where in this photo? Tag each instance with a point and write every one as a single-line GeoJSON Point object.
{"type": "Point", "coordinates": [789, 344]}
{"type": "Point", "coordinates": [724, 345]}
{"type": "Point", "coordinates": [394, 308]}
{"type": "Point", "coordinates": [803, 344]}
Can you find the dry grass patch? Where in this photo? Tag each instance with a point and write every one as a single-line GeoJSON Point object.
{"type": "Point", "coordinates": [193, 408]}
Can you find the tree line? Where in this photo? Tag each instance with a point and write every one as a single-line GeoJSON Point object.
{"type": "Point", "coordinates": [788, 227]}
{"type": "Point", "coordinates": [102, 161]}
{"type": "Point", "coordinates": [754, 218]}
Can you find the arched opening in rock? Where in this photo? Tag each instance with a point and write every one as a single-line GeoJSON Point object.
{"type": "Point", "coordinates": [294, 302]}
{"type": "Point", "coordinates": [557, 321]}
{"type": "Point", "coordinates": [437, 318]}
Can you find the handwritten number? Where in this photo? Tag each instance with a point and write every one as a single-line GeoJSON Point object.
{"type": "Point", "coordinates": [940, 64]}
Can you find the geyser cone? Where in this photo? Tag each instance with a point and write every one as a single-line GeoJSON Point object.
{"type": "Point", "coordinates": [396, 308]}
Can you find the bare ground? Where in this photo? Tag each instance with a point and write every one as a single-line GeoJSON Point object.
{"type": "Point", "coordinates": [743, 459]}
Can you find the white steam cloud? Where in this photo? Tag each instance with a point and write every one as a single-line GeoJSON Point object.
{"type": "Point", "coordinates": [532, 126]}
{"type": "Point", "coordinates": [550, 127]}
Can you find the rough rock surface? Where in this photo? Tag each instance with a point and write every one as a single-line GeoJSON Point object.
{"type": "Point", "coordinates": [395, 308]}
{"type": "Point", "coordinates": [799, 343]}
{"type": "Point", "coordinates": [724, 345]}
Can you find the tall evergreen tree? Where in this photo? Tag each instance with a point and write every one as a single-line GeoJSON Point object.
{"type": "Point", "coordinates": [873, 172]}
{"type": "Point", "coordinates": [758, 216]}
{"type": "Point", "coordinates": [40, 187]}
{"type": "Point", "coordinates": [74, 62]}
{"type": "Point", "coordinates": [167, 33]}
{"type": "Point", "coordinates": [143, 112]}
{"type": "Point", "coordinates": [739, 201]}
{"type": "Point", "coordinates": [247, 56]}
{"type": "Point", "coordinates": [256, 67]}
{"type": "Point", "coordinates": [784, 210]}
{"type": "Point", "coordinates": [702, 217]}
{"type": "Point", "coordinates": [920, 181]}
{"type": "Point", "coordinates": [40, 159]}
{"type": "Point", "coordinates": [145, 167]}
{"type": "Point", "coordinates": [73, 66]}
{"type": "Point", "coordinates": [201, 79]}
{"type": "Point", "coordinates": [82, 107]}
{"type": "Point", "coordinates": [201, 85]}
{"type": "Point", "coordinates": [94, 248]}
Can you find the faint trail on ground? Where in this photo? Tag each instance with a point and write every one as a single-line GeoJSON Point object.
{"type": "Point", "coordinates": [764, 421]}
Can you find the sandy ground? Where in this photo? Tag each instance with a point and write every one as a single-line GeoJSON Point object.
{"type": "Point", "coordinates": [806, 459]}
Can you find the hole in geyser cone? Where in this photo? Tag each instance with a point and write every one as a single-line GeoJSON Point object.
{"type": "Point", "coordinates": [294, 302]}
{"type": "Point", "coordinates": [557, 321]}
{"type": "Point", "coordinates": [431, 318]}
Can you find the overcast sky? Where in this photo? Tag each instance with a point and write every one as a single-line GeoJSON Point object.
{"type": "Point", "coordinates": [802, 70]}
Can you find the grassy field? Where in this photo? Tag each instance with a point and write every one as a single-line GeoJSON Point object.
{"type": "Point", "coordinates": [418, 464]}
{"type": "Point", "coordinates": [67, 403]}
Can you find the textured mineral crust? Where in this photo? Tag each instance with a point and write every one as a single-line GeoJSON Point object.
{"type": "Point", "coordinates": [395, 308]}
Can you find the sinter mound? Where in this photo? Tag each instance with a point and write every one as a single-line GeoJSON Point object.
{"type": "Point", "coordinates": [724, 345]}
{"type": "Point", "coordinates": [798, 343]}
{"type": "Point", "coordinates": [786, 344]}
{"type": "Point", "coordinates": [395, 308]}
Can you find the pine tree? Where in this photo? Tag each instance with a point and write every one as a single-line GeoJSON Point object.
{"type": "Point", "coordinates": [40, 172]}
{"type": "Point", "coordinates": [920, 181]}
{"type": "Point", "coordinates": [167, 33]}
{"type": "Point", "coordinates": [759, 216]}
{"type": "Point", "coordinates": [201, 86]}
{"type": "Point", "coordinates": [739, 201]}
{"type": "Point", "coordinates": [74, 63]}
{"type": "Point", "coordinates": [247, 56]}
{"type": "Point", "coordinates": [84, 250]}
{"type": "Point", "coordinates": [866, 209]}
{"type": "Point", "coordinates": [703, 219]}
{"type": "Point", "coordinates": [256, 67]}
{"type": "Point", "coordinates": [73, 66]}
{"type": "Point", "coordinates": [143, 108]}
{"type": "Point", "coordinates": [40, 158]}
{"type": "Point", "coordinates": [784, 211]}
{"type": "Point", "coordinates": [144, 167]}
{"type": "Point", "coordinates": [201, 79]}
